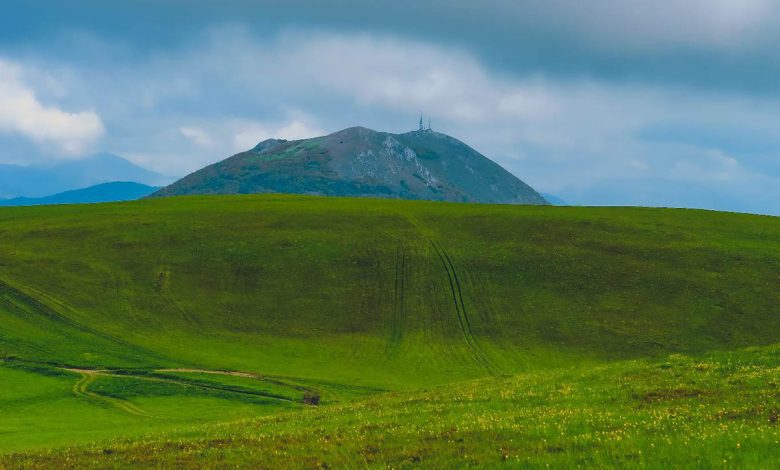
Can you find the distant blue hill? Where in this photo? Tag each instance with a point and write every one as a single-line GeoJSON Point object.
{"type": "Point", "coordinates": [555, 200]}
{"type": "Point", "coordinates": [659, 192]}
{"type": "Point", "coordinates": [41, 181]}
{"type": "Point", "coordinates": [106, 192]}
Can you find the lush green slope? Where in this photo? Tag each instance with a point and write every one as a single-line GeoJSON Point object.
{"type": "Point", "coordinates": [718, 411]}
{"type": "Point", "coordinates": [347, 297]}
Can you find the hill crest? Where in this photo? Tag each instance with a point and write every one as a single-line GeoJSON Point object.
{"type": "Point", "coordinates": [362, 162]}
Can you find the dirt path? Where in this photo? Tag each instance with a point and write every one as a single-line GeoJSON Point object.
{"type": "Point", "coordinates": [213, 372]}
{"type": "Point", "coordinates": [248, 375]}
{"type": "Point", "coordinates": [81, 389]}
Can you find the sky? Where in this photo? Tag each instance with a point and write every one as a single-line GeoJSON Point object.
{"type": "Point", "coordinates": [599, 102]}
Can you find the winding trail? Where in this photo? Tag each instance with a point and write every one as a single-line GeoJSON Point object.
{"type": "Point", "coordinates": [209, 371]}
{"type": "Point", "coordinates": [88, 376]}
{"type": "Point", "coordinates": [248, 375]}
{"type": "Point", "coordinates": [81, 389]}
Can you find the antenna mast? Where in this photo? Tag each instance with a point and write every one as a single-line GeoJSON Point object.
{"type": "Point", "coordinates": [421, 123]}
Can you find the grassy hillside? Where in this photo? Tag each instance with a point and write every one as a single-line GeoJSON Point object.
{"type": "Point", "coordinates": [717, 411]}
{"type": "Point", "coordinates": [125, 319]}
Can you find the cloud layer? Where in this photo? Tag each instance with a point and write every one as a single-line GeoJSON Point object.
{"type": "Point", "coordinates": [22, 113]}
{"type": "Point", "coordinates": [600, 102]}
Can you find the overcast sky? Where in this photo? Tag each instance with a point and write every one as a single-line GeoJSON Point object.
{"type": "Point", "coordinates": [671, 103]}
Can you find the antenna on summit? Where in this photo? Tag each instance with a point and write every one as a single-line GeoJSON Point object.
{"type": "Point", "coordinates": [421, 124]}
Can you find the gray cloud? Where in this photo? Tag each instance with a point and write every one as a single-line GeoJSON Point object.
{"type": "Point", "coordinates": [574, 97]}
{"type": "Point", "coordinates": [719, 44]}
{"type": "Point", "coordinates": [22, 113]}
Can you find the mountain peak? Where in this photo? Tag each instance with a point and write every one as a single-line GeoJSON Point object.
{"type": "Point", "coordinates": [359, 161]}
{"type": "Point", "coordinates": [356, 131]}
{"type": "Point", "coordinates": [106, 157]}
{"type": "Point", "coordinates": [267, 145]}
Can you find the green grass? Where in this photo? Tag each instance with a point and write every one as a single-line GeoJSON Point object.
{"type": "Point", "coordinates": [42, 408]}
{"type": "Point", "coordinates": [717, 411]}
{"type": "Point", "coordinates": [360, 301]}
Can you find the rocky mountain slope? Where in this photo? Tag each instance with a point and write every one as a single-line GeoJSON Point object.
{"type": "Point", "coordinates": [363, 162]}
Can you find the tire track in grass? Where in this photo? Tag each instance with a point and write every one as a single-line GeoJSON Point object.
{"type": "Point", "coordinates": [23, 305]}
{"type": "Point", "coordinates": [204, 386]}
{"type": "Point", "coordinates": [248, 375]}
{"type": "Point", "coordinates": [81, 389]}
{"type": "Point", "coordinates": [460, 309]}
{"type": "Point", "coordinates": [160, 376]}
{"type": "Point", "coordinates": [397, 321]}
{"type": "Point", "coordinates": [18, 301]}
{"type": "Point", "coordinates": [475, 351]}
{"type": "Point", "coordinates": [437, 320]}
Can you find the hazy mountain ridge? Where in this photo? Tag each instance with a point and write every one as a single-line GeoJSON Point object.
{"type": "Point", "coordinates": [555, 200]}
{"type": "Point", "coordinates": [40, 181]}
{"type": "Point", "coordinates": [106, 192]}
{"type": "Point", "coordinates": [363, 162]}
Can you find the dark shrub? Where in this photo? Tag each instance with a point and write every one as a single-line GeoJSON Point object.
{"type": "Point", "coordinates": [311, 398]}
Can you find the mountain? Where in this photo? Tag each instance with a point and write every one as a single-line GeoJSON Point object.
{"type": "Point", "coordinates": [363, 162]}
{"type": "Point", "coordinates": [106, 192]}
{"type": "Point", "coordinates": [554, 200]}
{"type": "Point", "coordinates": [41, 181]}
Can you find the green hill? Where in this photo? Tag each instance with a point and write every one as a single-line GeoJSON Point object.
{"type": "Point", "coordinates": [365, 163]}
{"type": "Point", "coordinates": [123, 319]}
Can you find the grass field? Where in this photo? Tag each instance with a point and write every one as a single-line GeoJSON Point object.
{"type": "Point", "coordinates": [716, 411]}
{"type": "Point", "coordinates": [431, 333]}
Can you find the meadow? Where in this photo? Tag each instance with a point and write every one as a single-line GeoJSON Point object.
{"type": "Point", "coordinates": [715, 411]}
{"type": "Point", "coordinates": [302, 331]}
